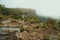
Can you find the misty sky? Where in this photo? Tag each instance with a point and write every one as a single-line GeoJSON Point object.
{"type": "Point", "coordinates": [49, 8]}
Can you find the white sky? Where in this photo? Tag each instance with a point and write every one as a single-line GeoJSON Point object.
{"type": "Point", "coordinates": [49, 8]}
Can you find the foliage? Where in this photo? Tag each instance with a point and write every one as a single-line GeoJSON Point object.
{"type": "Point", "coordinates": [17, 12]}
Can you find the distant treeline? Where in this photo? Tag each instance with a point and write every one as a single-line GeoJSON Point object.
{"type": "Point", "coordinates": [17, 12]}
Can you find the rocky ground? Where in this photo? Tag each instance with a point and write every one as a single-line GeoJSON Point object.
{"type": "Point", "coordinates": [35, 32]}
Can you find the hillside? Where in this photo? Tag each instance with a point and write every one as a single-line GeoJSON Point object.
{"type": "Point", "coordinates": [32, 26]}
{"type": "Point", "coordinates": [16, 12]}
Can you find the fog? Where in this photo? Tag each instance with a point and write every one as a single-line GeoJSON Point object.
{"type": "Point", "coordinates": [49, 8]}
